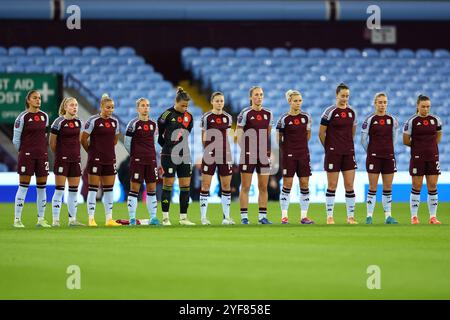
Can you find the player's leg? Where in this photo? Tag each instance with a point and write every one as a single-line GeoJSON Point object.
{"type": "Point", "coordinates": [94, 182]}
{"type": "Point", "coordinates": [332, 180]}
{"type": "Point", "coordinates": [41, 200]}
{"type": "Point", "coordinates": [132, 201]}
{"type": "Point", "coordinates": [304, 200]}
{"type": "Point", "coordinates": [72, 201]}
{"type": "Point", "coordinates": [204, 194]}
{"type": "Point", "coordinates": [414, 200]}
{"type": "Point", "coordinates": [285, 198]}
{"type": "Point", "coordinates": [152, 203]}
{"type": "Point", "coordinates": [225, 182]}
{"type": "Point", "coordinates": [387, 197]}
{"type": "Point", "coordinates": [348, 167]}
{"type": "Point", "coordinates": [371, 195]}
{"type": "Point", "coordinates": [60, 183]}
{"type": "Point", "coordinates": [168, 179]}
{"type": "Point", "coordinates": [184, 178]}
{"type": "Point", "coordinates": [108, 197]}
{"type": "Point", "coordinates": [41, 172]}
{"type": "Point", "coordinates": [24, 182]}
{"type": "Point", "coordinates": [263, 195]}
{"type": "Point", "coordinates": [432, 199]}
{"type": "Point", "coordinates": [246, 181]}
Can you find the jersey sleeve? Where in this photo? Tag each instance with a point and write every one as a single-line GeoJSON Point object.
{"type": "Point", "coordinates": [309, 124]}
{"type": "Point", "coordinates": [129, 135]}
{"type": "Point", "coordinates": [394, 129]}
{"type": "Point", "coordinates": [191, 124]}
{"type": "Point", "coordinates": [56, 126]}
{"type": "Point", "coordinates": [270, 118]}
{"type": "Point", "coordinates": [242, 118]}
{"type": "Point", "coordinates": [355, 118]}
{"type": "Point", "coordinates": [439, 124]}
{"type": "Point", "coordinates": [18, 128]}
{"type": "Point", "coordinates": [230, 121]}
{"type": "Point", "coordinates": [204, 122]}
{"type": "Point", "coordinates": [407, 127]}
{"type": "Point", "coordinates": [89, 126]}
{"type": "Point", "coordinates": [117, 127]}
{"type": "Point", "coordinates": [365, 132]}
{"type": "Point", "coordinates": [162, 123]}
{"type": "Point", "coordinates": [326, 116]}
{"type": "Point", "coordinates": [280, 124]}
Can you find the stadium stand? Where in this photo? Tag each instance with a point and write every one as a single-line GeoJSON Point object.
{"type": "Point", "coordinates": [120, 72]}
{"type": "Point", "coordinates": [403, 74]}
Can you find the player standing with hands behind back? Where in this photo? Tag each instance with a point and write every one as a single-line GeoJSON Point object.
{"type": "Point", "coordinates": [423, 132]}
{"type": "Point", "coordinates": [30, 140]}
{"type": "Point", "coordinates": [336, 133]}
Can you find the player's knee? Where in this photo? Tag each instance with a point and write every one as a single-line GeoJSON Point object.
{"type": "Point", "coordinates": [245, 188]}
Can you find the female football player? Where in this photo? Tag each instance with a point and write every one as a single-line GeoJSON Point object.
{"type": "Point", "coordinates": [30, 140]}
{"type": "Point", "coordinates": [336, 133]}
{"type": "Point", "coordinates": [140, 143]}
{"type": "Point", "coordinates": [378, 135]}
{"type": "Point", "coordinates": [253, 132]}
{"type": "Point", "coordinates": [100, 135]}
{"type": "Point", "coordinates": [215, 125]}
{"type": "Point", "coordinates": [294, 132]}
{"type": "Point", "coordinates": [422, 133]}
{"type": "Point", "coordinates": [65, 144]}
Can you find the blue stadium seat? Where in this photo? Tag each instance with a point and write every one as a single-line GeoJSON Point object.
{"type": "Point", "coordinates": [126, 51]}
{"type": "Point", "coordinates": [244, 52]}
{"type": "Point", "coordinates": [15, 68]}
{"type": "Point", "coordinates": [53, 69]}
{"type": "Point", "coordinates": [441, 53]}
{"type": "Point", "coordinates": [352, 53]}
{"type": "Point", "coordinates": [226, 52]}
{"type": "Point", "coordinates": [89, 51]}
{"type": "Point", "coordinates": [3, 167]}
{"type": "Point", "coordinates": [370, 53]}
{"type": "Point", "coordinates": [406, 54]}
{"type": "Point", "coordinates": [108, 52]}
{"type": "Point", "coordinates": [207, 52]}
{"type": "Point", "coordinates": [424, 54]}
{"type": "Point", "coordinates": [35, 51]}
{"type": "Point", "coordinates": [3, 51]}
{"type": "Point", "coordinates": [53, 51]}
{"type": "Point", "coordinates": [145, 69]}
{"type": "Point", "coordinates": [99, 61]}
{"type": "Point", "coordinates": [81, 61]}
{"type": "Point", "coordinates": [135, 61]}
{"type": "Point", "coordinates": [298, 53]}
{"type": "Point", "coordinates": [262, 52]}
{"type": "Point", "coordinates": [280, 52]}
{"type": "Point", "coordinates": [388, 53]}
{"type": "Point", "coordinates": [334, 53]}
{"type": "Point", "coordinates": [17, 51]}
{"type": "Point", "coordinates": [24, 61]}
{"type": "Point", "coordinates": [72, 51]}
{"type": "Point", "coordinates": [43, 60]}
{"type": "Point", "coordinates": [316, 53]}
{"type": "Point", "coordinates": [34, 69]}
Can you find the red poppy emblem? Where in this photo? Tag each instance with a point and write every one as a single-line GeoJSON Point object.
{"type": "Point", "coordinates": [180, 119]}
{"type": "Point", "coordinates": [296, 122]}
{"type": "Point", "coordinates": [425, 122]}
{"type": "Point", "coordinates": [36, 118]}
{"type": "Point", "coordinates": [343, 115]}
{"type": "Point", "coordinates": [258, 117]}
{"type": "Point", "coordinates": [146, 127]}
{"type": "Point", "coordinates": [382, 122]}
{"type": "Point", "coordinates": [71, 125]}
{"type": "Point", "coordinates": [219, 120]}
{"type": "Point", "coordinates": [107, 124]}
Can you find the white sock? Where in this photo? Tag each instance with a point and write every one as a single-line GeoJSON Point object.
{"type": "Point", "coordinates": [329, 200]}
{"type": "Point", "coordinates": [108, 202]}
{"type": "Point", "coordinates": [414, 202]}
{"type": "Point", "coordinates": [165, 215]}
{"type": "Point", "coordinates": [152, 204]}
{"type": "Point", "coordinates": [132, 204]}
{"type": "Point", "coordinates": [387, 202]}
{"type": "Point", "coordinates": [262, 213]}
{"type": "Point", "coordinates": [20, 200]}
{"type": "Point", "coordinates": [371, 201]}
{"type": "Point", "coordinates": [183, 216]}
{"type": "Point", "coordinates": [72, 203]}
{"type": "Point", "coordinates": [304, 202]}
{"type": "Point", "coordinates": [432, 202]}
{"type": "Point", "coordinates": [57, 203]}
{"type": "Point", "coordinates": [226, 203]}
{"type": "Point", "coordinates": [41, 200]}
{"type": "Point", "coordinates": [91, 201]}
{"type": "Point", "coordinates": [244, 213]}
{"type": "Point", "coordinates": [203, 204]}
{"type": "Point", "coordinates": [285, 198]}
{"type": "Point", "coordinates": [350, 203]}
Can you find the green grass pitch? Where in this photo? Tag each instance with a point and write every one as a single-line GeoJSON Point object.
{"type": "Point", "coordinates": [227, 262]}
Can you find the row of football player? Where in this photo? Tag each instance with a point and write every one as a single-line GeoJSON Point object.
{"type": "Point", "coordinates": [100, 134]}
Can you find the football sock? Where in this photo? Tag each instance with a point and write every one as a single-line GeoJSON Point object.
{"type": "Point", "coordinates": [284, 201]}
{"type": "Point", "coordinates": [57, 202]}
{"type": "Point", "coordinates": [203, 203]}
{"type": "Point", "coordinates": [371, 201]}
{"type": "Point", "coordinates": [41, 200]}
{"type": "Point", "coordinates": [72, 203]}
{"type": "Point", "coordinates": [329, 200]}
{"type": "Point", "coordinates": [432, 202]}
{"type": "Point", "coordinates": [387, 202]}
{"type": "Point", "coordinates": [92, 200]}
{"type": "Point", "coordinates": [304, 202]}
{"type": "Point", "coordinates": [226, 203]}
{"type": "Point", "coordinates": [20, 200]}
{"type": "Point", "coordinates": [132, 204]}
{"type": "Point", "coordinates": [152, 204]}
{"type": "Point", "coordinates": [414, 202]}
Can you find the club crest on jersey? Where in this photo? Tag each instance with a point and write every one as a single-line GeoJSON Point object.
{"type": "Point", "coordinates": [151, 127]}
{"type": "Point", "coordinates": [76, 124]}
{"type": "Point", "coordinates": [303, 120]}
{"type": "Point", "coordinates": [388, 121]}
{"type": "Point", "coordinates": [113, 124]}
{"type": "Point", "coordinates": [224, 120]}
{"type": "Point", "coordinates": [186, 119]}
{"type": "Point", "coordinates": [265, 117]}
{"type": "Point", "coordinates": [42, 118]}
{"type": "Point", "coordinates": [350, 115]}
{"type": "Point", "coordinates": [432, 121]}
